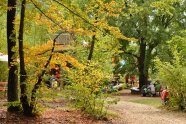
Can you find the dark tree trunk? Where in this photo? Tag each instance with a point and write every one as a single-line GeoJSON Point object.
{"type": "Point", "coordinates": [23, 75]}
{"type": "Point", "coordinates": [148, 59]}
{"type": "Point", "coordinates": [12, 57]}
{"type": "Point", "coordinates": [92, 47]}
{"type": "Point", "coordinates": [141, 64]}
{"type": "Point", "coordinates": [39, 81]}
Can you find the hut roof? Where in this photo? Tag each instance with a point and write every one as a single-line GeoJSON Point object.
{"type": "Point", "coordinates": [64, 39]}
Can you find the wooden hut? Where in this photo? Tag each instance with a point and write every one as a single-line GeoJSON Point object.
{"type": "Point", "coordinates": [64, 39]}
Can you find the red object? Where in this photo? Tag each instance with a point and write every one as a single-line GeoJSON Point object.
{"type": "Point", "coordinates": [57, 75]}
{"type": "Point", "coordinates": [164, 94]}
{"type": "Point", "coordinates": [133, 77]}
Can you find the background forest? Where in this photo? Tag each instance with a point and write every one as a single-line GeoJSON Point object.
{"type": "Point", "coordinates": [94, 42]}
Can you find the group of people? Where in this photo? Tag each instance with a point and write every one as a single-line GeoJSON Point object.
{"type": "Point", "coordinates": [130, 79]}
{"type": "Point", "coordinates": [152, 88]}
{"type": "Point", "coordinates": [54, 79]}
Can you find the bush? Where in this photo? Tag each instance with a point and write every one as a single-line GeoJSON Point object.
{"type": "Point", "coordinates": [173, 74]}
{"type": "Point", "coordinates": [86, 91]}
{"type": "Point", "coordinates": [175, 79]}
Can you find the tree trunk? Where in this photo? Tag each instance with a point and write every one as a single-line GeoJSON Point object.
{"type": "Point", "coordinates": [40, 78]}
{"type": "Point", "coordinates": [92, 47]}
{"type": "Point", "coordinates": [38, 84]}
{"type": "Point", "coordinates": [141, 64]}
{"type": "Point", "coordinates": [148, 59]}
{"type": "Point", "coordinates": [23, 75]}
{"type": "Point", "coordinates": [93, 42]}
{"type": "Point", "coordinates": [12, 57]}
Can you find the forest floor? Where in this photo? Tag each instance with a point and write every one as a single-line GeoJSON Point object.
{"type": "Point", "coordinates": [131, 109]}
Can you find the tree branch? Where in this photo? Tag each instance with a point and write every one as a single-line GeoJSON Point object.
{"type": "Point", "coordinates": [39, 81]}
{"type": "Point", "coordinates": [78, 15]}
{"type": "Point", "coordinates": [129, 53]}
{"type": "Point", "coordinates": [168, 21]}
{"type": "Point", "coordinates": [48, 16]}
{"type": "Point", "coordinates": [43, 52]}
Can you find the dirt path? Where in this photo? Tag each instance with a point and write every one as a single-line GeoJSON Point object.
{"type": "Point", "coordinates": [128, 112]}
{"type": "Point", "coordinates": [135, 113]}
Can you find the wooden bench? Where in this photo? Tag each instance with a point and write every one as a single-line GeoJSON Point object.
{"type": "Point", "coordinates": [3, 86]}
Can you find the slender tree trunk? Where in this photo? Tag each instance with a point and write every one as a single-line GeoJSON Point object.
{"type": "Point", "coordinates": [40, 78]}
{"type": "Point", "coordinates": [92, 47]}
{"type": "Point", "coordinates": [38, 84]}
{"type": "Point", "coordinates": [23, 75]}
{"type": "Point", "coordinates": [12, 57]}
{"type": "Point", "coordinates": [92, 43]}
{"type": "Point", "coordinates": [141, 64]}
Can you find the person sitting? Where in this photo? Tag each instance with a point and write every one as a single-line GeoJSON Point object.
{"type": "Point", "coordinates": [158, 87]}
{"type": "Point", "coordinates": [152, 89]}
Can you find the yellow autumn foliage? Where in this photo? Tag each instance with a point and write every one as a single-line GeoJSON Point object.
{"type": "Point", "coordinates": [95, 13]}
{"type": "Point", "coordinates": [38, 55]}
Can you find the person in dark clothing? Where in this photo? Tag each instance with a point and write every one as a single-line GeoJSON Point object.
{"type": "Point", "coordinates": [127, 78]}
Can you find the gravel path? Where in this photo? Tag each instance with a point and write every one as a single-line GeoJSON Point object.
{"type": "Point", "coordinates": [135, 113]}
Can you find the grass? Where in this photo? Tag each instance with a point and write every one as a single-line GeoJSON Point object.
{"type": "Point", "coordinates": [150, 102]}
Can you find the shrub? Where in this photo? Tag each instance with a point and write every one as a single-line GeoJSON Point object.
{"type": "Point", "coordinates": [175, 79]}
{"type": "Point", "coordinates": [173, 73]}
{"type": "Point", "coordinates": [86, 90]}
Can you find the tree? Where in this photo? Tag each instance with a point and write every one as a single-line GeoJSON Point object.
{"type": "Point", "coordinates": [28, 108]}
{"type": "Point", "coordinates": [23, 74]}
{"type": "Point", "coordinates": [51, 20]}
{"type": "Point", "coordinates": [12, 57]}
{"type": "Point", "coordinates": [150, 22]}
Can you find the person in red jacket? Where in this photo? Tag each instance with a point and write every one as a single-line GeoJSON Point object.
{"type": "Point", "coordinates": [164, 96]}
{"type": "Point", "coordinates": [133, 79]}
